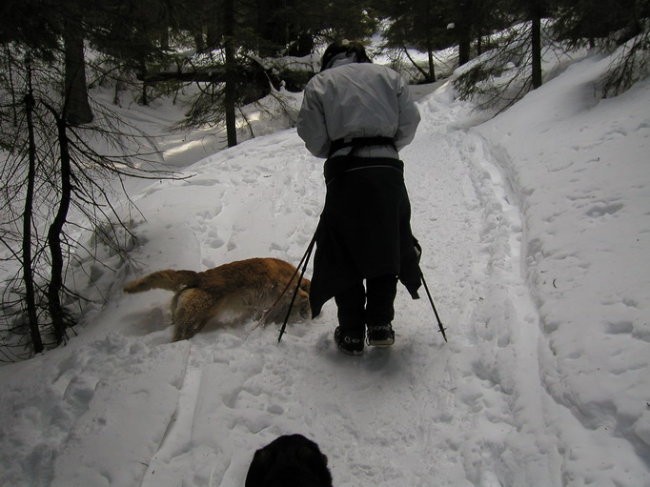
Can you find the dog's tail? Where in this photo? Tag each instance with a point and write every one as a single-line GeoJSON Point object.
{"type": "Point", "coordinates": [168, 279]}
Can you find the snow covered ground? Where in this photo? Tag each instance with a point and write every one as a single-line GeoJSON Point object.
{"type": "Point", "coordinates": [536, 235]}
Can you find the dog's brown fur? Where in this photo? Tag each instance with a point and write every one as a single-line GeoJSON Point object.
{"type": "Point", "coordinates": [250, 288]}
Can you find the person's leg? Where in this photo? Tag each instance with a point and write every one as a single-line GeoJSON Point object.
{"type": "Point", "coordinates": [380, 310]}
{"type": "Point", "coordinates": [350, 334]}
{"type": "Point", "coordinates": [381, 296]}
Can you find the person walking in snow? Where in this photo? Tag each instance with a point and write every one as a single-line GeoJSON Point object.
{"type": "Point", "coordinates": [357, 115]}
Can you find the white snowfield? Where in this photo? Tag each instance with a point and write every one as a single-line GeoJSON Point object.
{"type": "Point", "coordinates": [535, 228]}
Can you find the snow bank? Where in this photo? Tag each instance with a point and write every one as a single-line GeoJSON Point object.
{"type": "Point", "coordinates": [578, 168]}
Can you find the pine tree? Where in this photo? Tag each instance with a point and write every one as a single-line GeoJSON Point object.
{"type": "Point", "coordinates": [581, 21]}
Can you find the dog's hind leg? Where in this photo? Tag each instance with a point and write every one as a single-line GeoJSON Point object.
{"type": "Point", "coordinates": [192, 308]}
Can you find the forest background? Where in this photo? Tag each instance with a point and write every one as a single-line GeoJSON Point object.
{"type": "Point", "coordinates": [62, 148]}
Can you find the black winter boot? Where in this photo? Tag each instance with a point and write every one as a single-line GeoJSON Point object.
{"type": "Point", "coordinates": [349, 342]}
{"type": "Point", "coordinates": [381, 335]}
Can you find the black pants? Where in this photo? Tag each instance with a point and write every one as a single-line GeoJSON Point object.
{"type": "Point", "coordinates": [372, 305]}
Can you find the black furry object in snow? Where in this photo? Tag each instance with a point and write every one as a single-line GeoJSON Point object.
{"type": "Point", "coordinates": [289, 461]}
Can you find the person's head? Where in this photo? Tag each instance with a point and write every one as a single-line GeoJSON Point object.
{"type": "Point", "coordinates": [344, 49]}
{"type": "Point", "coordinates": [289, 461]}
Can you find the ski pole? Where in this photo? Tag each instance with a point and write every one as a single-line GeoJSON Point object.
{"type": "Point", "coordinates": [303, 262]}
{"type": "Point", "coordinates": [435, 311]}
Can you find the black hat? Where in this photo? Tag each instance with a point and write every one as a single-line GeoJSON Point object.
{"type": "Point", "coordinates": [350, 48]}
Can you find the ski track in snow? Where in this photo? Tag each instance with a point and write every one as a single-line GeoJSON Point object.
{"type": "Point", "coordinates": [417, 414]}
{"type": "Point", "coordinates": [477, 411]}
{"type": "Point", "coordinates": [407, 415]}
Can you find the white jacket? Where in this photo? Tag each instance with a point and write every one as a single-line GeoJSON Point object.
{"type": "Point", "coordinates": [357, 100]}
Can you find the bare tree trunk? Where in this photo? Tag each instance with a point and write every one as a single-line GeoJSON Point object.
{"type": "Point", "coordinates": [76, 107]}
{"type": "Point", "coordinates": [164, 38]}
{"type": "Point", "coordinates": [10, 78]}
{"type": "Point", "coordinates": [464, 27]}
{"type": "Point", "coordinates": [54, 234]}
{"type": "Point", "coordinates": [28, 274]}
{"type": "Point", "coordinates": [536, 41]}
{"type": "Point", "coordinates": [432, 67]}
{"type": "Point", "coordinates": [213, 24]}
{"type": "Point", "coordinates": [199, 42]}
{"type": "Point", "coordinates": [229, 27]}
{"type": "Point", "coordinates": [414, 63]}
{"type": "Point", "coordinates": [144, 100]}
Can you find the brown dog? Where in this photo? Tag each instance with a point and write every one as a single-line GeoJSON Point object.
{"type": "Point", "coordinates": [289, 461]}
{"type": "Point", "coordinates": [252, 288]}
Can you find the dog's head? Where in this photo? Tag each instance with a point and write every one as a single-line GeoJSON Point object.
{"type": "Point", "coordinates": [289, 461]}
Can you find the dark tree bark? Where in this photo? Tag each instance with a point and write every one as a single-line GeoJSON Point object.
{"type": "Point", "coordinates": [199, 42]}
{"type": "Point", "coordinates": [429, 41]}
{"type": "Point", "coordinates": [214, 24]}
{"type": "Point", "coordinates": [76, 107]}
{"type": "Point", "coordinates": [28, 274]}
{"type": "Point", "coordinates": [464, 29]}
{"type": "Point", "coordinates": [432, 68]}
{"type": "Point", "coordinates": [55, 231]}
{"type": "Point", "coordinates": [144, 100]}
{"type": "Point", "coordinates": [164, 38]}
{"type": "Point", "coordinates": [536, 43]}
{"type": "Point", "coordinates": [231, 67]}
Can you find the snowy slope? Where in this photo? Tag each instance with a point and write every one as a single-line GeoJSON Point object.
{"type": "Point", "coordinates": [580, 174]}
{"type": "Point", "coordinates": [534, 228]}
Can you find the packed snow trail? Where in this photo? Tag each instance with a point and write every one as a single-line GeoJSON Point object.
{"type": "Point", "coordinates": [192, 413]}
{"type": "Point", "coordinates": [548, 200]}
{"type": "Point", "coordinates": [138, 410]}
{"type": "Point", "coordinates": [122, 406]}
{"type": "Point", "coordinates": [418, 414]}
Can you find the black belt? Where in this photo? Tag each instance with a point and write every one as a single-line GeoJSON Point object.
{"type": "Point", "coordinates": [358, 142]}
{"type": "Point", "coordinates": [338, 165]}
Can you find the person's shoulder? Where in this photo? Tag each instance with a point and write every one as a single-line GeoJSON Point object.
{"type": "Point", "coordinates": [328, 77]}
{"type": "Point", "coordinates": [353, 70]}
{"type": "Point", "coordinates": [379, 69]}
{"type": "Point", "coordinates": [315, 81]}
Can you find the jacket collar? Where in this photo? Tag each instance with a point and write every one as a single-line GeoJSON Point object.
{"type": "Point", "coordinates": [342, 59]}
